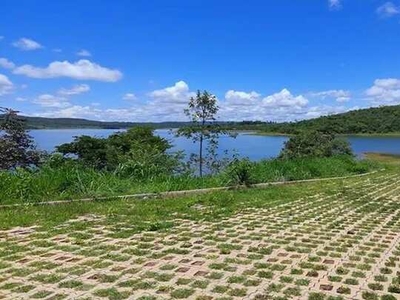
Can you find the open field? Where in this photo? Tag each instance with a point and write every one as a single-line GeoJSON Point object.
{"type": "Point", "coordinates": [331, 240]}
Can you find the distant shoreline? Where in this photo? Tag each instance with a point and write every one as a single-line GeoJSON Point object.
{"type": "Point", "coordinates": [242, 131]}
{"type": "Point", "coordinates": [248, 132]}
{"type": "Point", "coordinates": [394, 134]}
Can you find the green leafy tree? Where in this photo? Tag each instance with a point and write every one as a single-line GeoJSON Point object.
{"type": "Point", "coordinates": [315, 144]}
{"type": "Point", "coordinates": [136, 152]}
{"type": "Point", "coordinates": [91, 151]}
{"type": "Point", "coordinates": [202, 110]}
{"type": "Point", "coordinates": [17, 148]}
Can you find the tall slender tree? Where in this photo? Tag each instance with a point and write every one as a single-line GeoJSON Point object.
{"type": "Point", "coordinates": [202, 110]}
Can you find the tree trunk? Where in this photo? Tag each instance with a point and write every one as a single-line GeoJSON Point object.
{"type": "Point", "coordinates": [201, 156]}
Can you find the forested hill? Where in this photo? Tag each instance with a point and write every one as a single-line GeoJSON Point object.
{"type": "Point", "coordinates": [380, 120]}
{"type": "Point", "coordinates": [66, 123]}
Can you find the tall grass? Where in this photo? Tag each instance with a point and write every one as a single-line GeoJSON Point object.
{"type": "Point", "coordinates": [74, 182]}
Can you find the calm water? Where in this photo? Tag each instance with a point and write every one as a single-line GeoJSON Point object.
{"type": "Point", "coordinates": [252, 146]}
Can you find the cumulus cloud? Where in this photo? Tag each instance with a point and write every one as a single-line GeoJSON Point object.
{"type": "Point", "coordinates": [47, 100]}
{"type": "Point", "coordinates": [26, 44]}
{"type": "Point", "coordinates": [6, 86]}
{"type": "Point", "coordinates": [280, 106]}
{"type": "Point", "coordinates": [80, 70]}
{"type": "Point", "coordinates": [75, 90]}
{"type": "Point", "coordinates": [167, 104]}
{"type": "Point", "coordinates": [129, 96]}
{"type": "Point", "coordinates": [84, 53]}
{"type": "Point", "coordinates": [384, 91]}
{"type": "Point", "coordinates": [239, 98]}
{"type": "Point", "coordinates": [285, 98]}
{"type": "Point", "coordinates": [388, 10]}
{"type": "Point", "coordinates": [178, 93]}
{"type": "Point", "coordinates": [339, 95]}
{"type": "Point", "coordinates": [335, 4]}
{"type": "Point", "coordinates": [75, 111]}
{"type": "Point", "coordinates": [6, 64]}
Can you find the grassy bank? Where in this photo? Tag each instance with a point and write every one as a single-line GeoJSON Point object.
{"type": "Point", "coordinates": [151, 215]}
{"type": "Point", "coordinates": [64, 183]}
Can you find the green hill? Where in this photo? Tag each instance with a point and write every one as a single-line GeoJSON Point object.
{"type": "Point", "coordinates": [70, 123]}
{"type": "Point", "coordinates": [379, 120]}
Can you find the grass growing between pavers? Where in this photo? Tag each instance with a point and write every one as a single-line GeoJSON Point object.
{"type": "Point", "coordinates": [329, 241]}
{"type": "Point", "coordinates": [155, 214]}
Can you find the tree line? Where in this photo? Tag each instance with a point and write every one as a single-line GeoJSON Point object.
{"type": "Point", "coordinates": [377, 120]}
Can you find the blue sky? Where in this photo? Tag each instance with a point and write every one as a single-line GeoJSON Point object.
{"type": "Point", "coordinates": [142, 60]}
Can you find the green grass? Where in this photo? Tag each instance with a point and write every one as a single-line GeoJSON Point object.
{"type": "Point", "coordinates": [65, 183]}
{"type": "Point", "coordinates": [149, 215]}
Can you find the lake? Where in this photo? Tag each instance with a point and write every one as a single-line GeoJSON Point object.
{"type": "Point", "coordinates": [255, 147]}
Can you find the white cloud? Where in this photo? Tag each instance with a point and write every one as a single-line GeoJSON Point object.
{"type": "Point", "coordinates": [75, 90]}
{"type": "Point", "coordinates": [5, 63]}
{"type": "Point", "coordinates": [27, 44]}
{"type": "Point", "coordinates": [21, 99]}
{"type": "Point", "coordinates": [239, 98]}
{"type": "Point", "coordinates": [343, 99]}
{"type": "Point", "coordinates": [81, 70]}
{"type": "Point", "coordinates": [84, 53]}
{"type": "Point", "coordinates": [47, 100]}
{"type": "Point", "coordinates": [388, 10]}
{"type": "Point", "coordinates": [339, 95]}
{"type": "Point", "coordinates": [147, 112]}
{"type": "Point", "coordinates": [324, 110]}
{"type": "Point", "coordinates": [129, 96]}
{"type": "Point", "coordinates": [281, 106]}
{"type": "Point", "coordinates": [6, 86]}
{"type": "Point", "coordinates": [285, 98]}
{"type": "Point", "coordinates": [57, 50]}
{"type": "Point", "coordinates": [384, 91]}
{"type": "Point", "coordinates": [75, 111]}
{"type": "Point", "coordinates": [335, 4]}
{"type": "Point", "coordinates": [178, 93]}
{"type": "Point", "coordinates": [1, 37]}
{"type": "Point", "coordinates": [167, 104]}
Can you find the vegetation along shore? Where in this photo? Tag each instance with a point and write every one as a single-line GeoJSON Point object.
{"type": "Point", "coordinates": [137, 161]}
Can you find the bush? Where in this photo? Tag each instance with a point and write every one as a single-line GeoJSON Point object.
{"type": "Point", "coordinates": [134, 153]}
{"type": "Point", "coordinates": [315, 144]}
{"type": "Point", "coordinates": [240, 172]}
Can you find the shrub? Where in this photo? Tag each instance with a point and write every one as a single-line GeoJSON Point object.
{"type": "Point", "coordinates": [315, 144]}
{"type": "Point", "coordinates": [240, 172]}
{"type": "Point", "coordinates": [136, 152]}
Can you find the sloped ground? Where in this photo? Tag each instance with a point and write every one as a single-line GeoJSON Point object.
{"type": "Point", "coordinates": [337, 245]}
